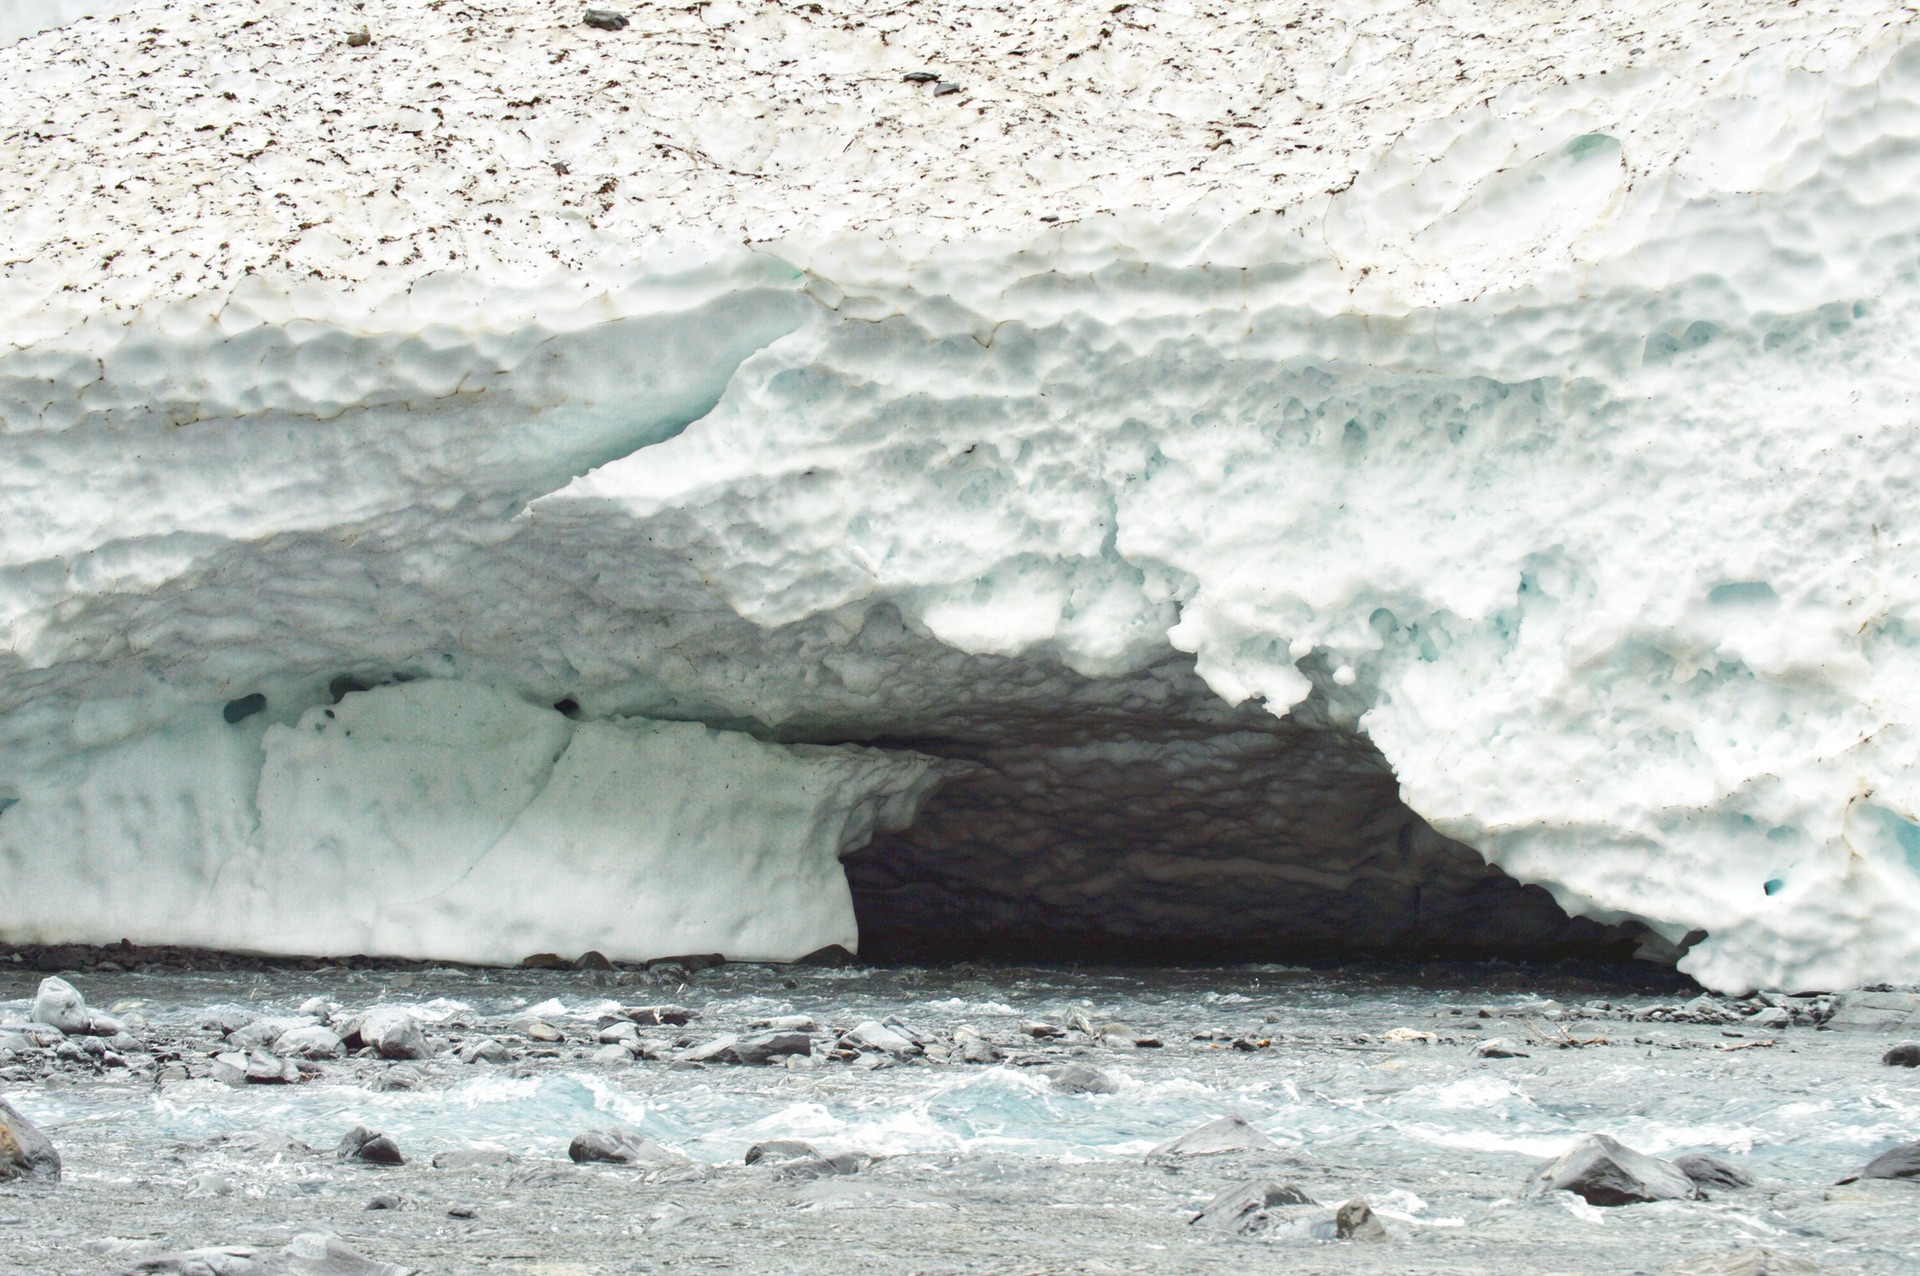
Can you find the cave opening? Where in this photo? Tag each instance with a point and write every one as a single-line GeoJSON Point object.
{"type": "Point", "coordinates": [1228, 835]}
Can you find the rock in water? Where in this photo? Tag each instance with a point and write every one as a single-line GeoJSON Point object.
{"type": "Point", "coordinates": [1604, 1171]}
{"type": "Point", "coordinates": [25, 1153]}
{"type": "Point", "coordinates": [874, 1035]}
{"type": "Point", "coordinates": [792, 1158]}
{"type": "Point", "coordinates": [1077, 1078]}
{"type": "Point", "coordinates": [311, 1042]}
{"type": "Point", "coordinates": [970, 1047]}
{"type": "Point", "coordinates": [605, 20]}
{"type": "Point", "coordinates": [1712, 1172]}
{"type": "Point", "coordinates": [614, 1146]}
{"type": "Point", "coordinates": [1222, 1135]}
{"type": "Point", "coordinates": [1499, 1048]}
{"type": "Point", "coordinates": [765, 1047]}
{"type": "Point", "coordinates": [1354, 1221]}
{"type": "Point", "coordinates": [394, 1033]}
{"type": "Point", "coordinates": [1744, 1262]}
{"type": "Point", "coordinates": [1900, 1162]}
{"type": "Point", "coordinates": [1245, 1208]}
{"type": "Point", "coordinates": [59, 1004]}
{"type": "Point", "coordinates": [371, 1146]}
{"type": "Point", "coordinates": [1903, 1056]}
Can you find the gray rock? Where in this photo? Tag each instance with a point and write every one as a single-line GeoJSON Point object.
{"type": "Point", "coordinates": [58, 1004]}
{"type": "Point", "coordinates": [485, 1050]}
{"type": "Point", "coordinates": [613, 1054]}
{"type": "Point", "coordinates": [765, 1047]}
{"type": "Point", "coordinates": [620, 1032]}
{"type": "Point", "coordinates": [970, 1047]}
{"type": "Point", "coordinates": [1903, 1056]}
{"type": "Point", "coordinates": [1354, 1221]}
{"type": "Point", "coordinates": [258, 1035]}
{"type": "Point", "coordinates": [310, 1042]}
{"type": "Point", "coordinates": [605, 20]}
{"type": "Point", "coordinates": [874, 1035]}
{"type": "Point", "coordinates": [402, 1076]}
{"type": "Point", "coordinates": [371, 1146]}
{"type": "Point", "coordinates": [394, 1033]}
{"type": "Point", "coordinates": [1770, 1017]}
{"type": "Point", "coordinates": [1875, 1012]}
{"type": "Point", "coordinates": [1744, 1262]}
{"type": "Point", "coordinates": [1247, 1207]}
{"type": "Point", "coordinates": [1899, 1162]}
{"type": "Point", "coordinates": [25, 1153]}
{"type": "Point", "coordinates": [1603, 1171]}
{"type": "Point", "coordinates": [614, 1146]}
{"type": "Point", "coordinates": [792, 1158]}
{"type": "Point", "coordinates": [787, 1023]}
{"type": "Point", "coordinates": [1077, 1078]}
{"type": "Point", "coordinates": [227, 1020]}
{"type": "Point", "coordinates": [1218, 1137]}
{"type": "Point", "coordinates": [383, 1201]}
{"type": "Point", "coordinates": [1499, 1048]}
{"type": "Point", "coordinates": [1712, 1172]}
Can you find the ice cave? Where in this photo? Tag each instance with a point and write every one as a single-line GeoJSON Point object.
{"type": "Point", "coordinates": [1489, 536]}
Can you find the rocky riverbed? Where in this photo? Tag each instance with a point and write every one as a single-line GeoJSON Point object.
{"type": "Point", "coordinates": [367, 1118]}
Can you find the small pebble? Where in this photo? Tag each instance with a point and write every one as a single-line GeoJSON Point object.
{"type": "Point", "coordinates": [944, 88]}
{"type": "Point", "coordinates": [605, 20]}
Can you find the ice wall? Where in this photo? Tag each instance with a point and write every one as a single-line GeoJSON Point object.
{"type": "Point", "coordinates": [1564, 448]}
{"type": "Point", "coordinates": [448, 820]}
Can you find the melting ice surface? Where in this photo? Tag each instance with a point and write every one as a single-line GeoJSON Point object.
{"type": "Point", "coordinates": [1328, 1086]}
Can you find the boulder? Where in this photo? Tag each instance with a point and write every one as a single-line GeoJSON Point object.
{"type": "Point", "coordinates": [874, 1035]}
{"type": "Point", "coordinates": [1603, 1171]}
{"type": "Point", "coordinates": [1354, 1221]}
{"type": "Point", "coordinates": [792, 1158]}
{"type": "Point", "coordinates": [1712, 1172]}
{"type": "Point", "coordinates": [611, 1145]}
{"type": "Point", "coordinates": [765, 1047]}
{"type": "Point", "coordinates": [485, 1050]}
{"type": "Point", "coordinates": [1247, 1207]}
{"type": "Point", "coordinates": [25, 1153]}
{"type": "Point", "coordinates": [58, 1004]}
{"type": "Point", "coordinates": [1899, 1162]}
{"type": "Point", "coordinates": [1218, 1137]}
{"type": "Point", "coordinates": [371, 1146]}
{"type": "Point", "coordinates": [970, 1047]}
{"type": "Point", "coordinates": [394, 1033]}
{"type": "Point", "coordinates": [310, 1042]}
{"type": "Point", "coordinates": [1875, 1012]}
{"type": "Point", "coordinates": [1903, 1056]}
{"type": "Point", "coordinates": [1077, 1078]}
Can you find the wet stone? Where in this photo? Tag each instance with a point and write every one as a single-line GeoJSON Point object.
{"type": "Point", "coordinates": [1899, 1162]}
{"type": "Point", "coordinates": [1221, 1136]}
{"type": "Point", "coordinates": [1603, 1171]}
{"type": "Point", "coordinates": [25, 1153]}
{"type": "Point", "coordinates": [1711, 1173]}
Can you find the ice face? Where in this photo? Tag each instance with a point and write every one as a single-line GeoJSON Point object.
{"type": "Point", "coordinates": [1563, 453]}
{"type": "Point", "coordinates": [446, 819]}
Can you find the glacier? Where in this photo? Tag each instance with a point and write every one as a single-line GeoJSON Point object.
{"type": "Point", "coordinates": [1531, 497]}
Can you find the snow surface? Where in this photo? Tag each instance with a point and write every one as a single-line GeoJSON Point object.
{"type": "Point", "coordinates": [1552, 422]}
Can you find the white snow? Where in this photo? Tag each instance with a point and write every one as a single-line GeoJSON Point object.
{"type": "Point", "coordinates": [1552, 422]}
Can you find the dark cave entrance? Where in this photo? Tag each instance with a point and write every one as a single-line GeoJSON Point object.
{"type": "Point", "coordinates": [1266, 841]}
